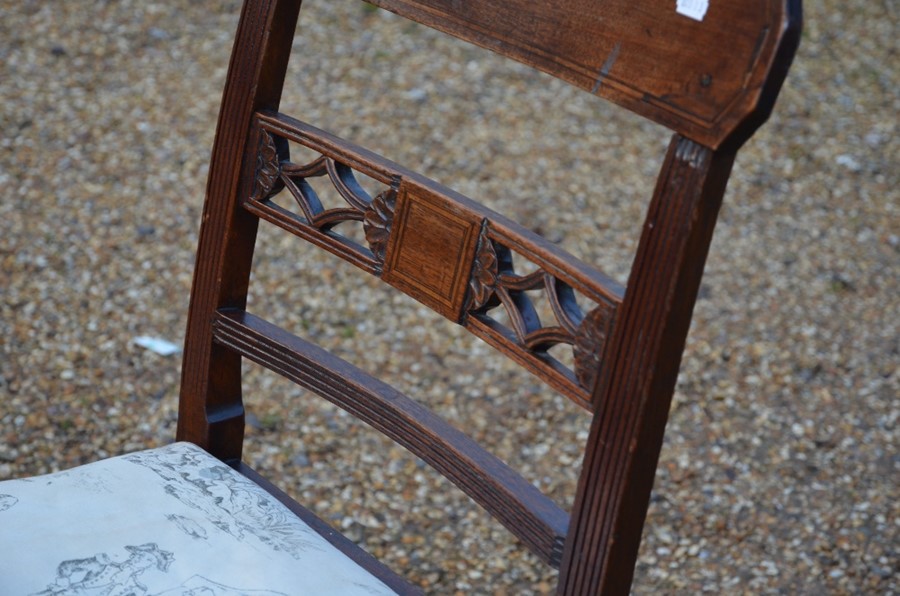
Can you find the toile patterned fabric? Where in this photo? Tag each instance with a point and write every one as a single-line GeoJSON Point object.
{"type": "Point", "coordinates": [172, 521]}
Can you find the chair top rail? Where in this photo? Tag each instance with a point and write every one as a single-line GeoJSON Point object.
{"type": "Point", "coordinates": [654, 57]}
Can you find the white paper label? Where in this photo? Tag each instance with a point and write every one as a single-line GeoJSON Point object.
{"type": "Point", "coordinates": [695, 9]}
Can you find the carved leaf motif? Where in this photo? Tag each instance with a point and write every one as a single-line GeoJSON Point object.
{"type": "Point", "coordinates": [267, 167]}
{"type": "Point", "coordinates": [484, 274]}
{"type": "Point", "coordinates": [377, 222]}
{"type": "Point", "coordinates": [590, 342]}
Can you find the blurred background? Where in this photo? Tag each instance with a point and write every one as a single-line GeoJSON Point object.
{"type": "Point", "coordinates": [779, 472]}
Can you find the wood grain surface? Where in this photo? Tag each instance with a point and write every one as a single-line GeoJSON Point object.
{"type": "Point", "coordinates": [703, 78]}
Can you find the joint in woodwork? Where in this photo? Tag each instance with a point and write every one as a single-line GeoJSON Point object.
{"type": "Point", "coordinates": [222, 414]}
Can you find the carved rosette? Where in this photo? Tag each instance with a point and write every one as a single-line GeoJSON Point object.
{"type": "Point", "coordinates": [377, 222]}
{"type": "Point", "coordinates": [268, 170]}
{"type": "Point", "coordinates": [484, 274]}
{"type": "Point", "coordinates": [590, 342]}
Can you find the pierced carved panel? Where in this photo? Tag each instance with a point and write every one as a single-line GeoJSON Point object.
{"type": "Point", "coordinates": [496, 282]}
{"type": "Point", "coordinates": [523, 295]}
{"type": "Point", "coordinates": [310, 218]}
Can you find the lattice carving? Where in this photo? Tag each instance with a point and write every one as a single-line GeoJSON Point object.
{"type": "Point", "coordinates": [494, 276]}
{"type": "Point", "coordinates": [495, 282]}
{"type": "Point", "coordinates": [274, 173]}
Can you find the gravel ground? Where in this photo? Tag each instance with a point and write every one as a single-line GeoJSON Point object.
{"type": "Point", "coordinates": [779, 473]}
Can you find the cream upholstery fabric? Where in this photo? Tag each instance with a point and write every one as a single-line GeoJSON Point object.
{"type": "Point", "coordinates": [171, 521]}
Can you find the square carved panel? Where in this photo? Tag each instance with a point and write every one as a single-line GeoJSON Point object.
{"type": "Point", "coordinates": [432, 246]}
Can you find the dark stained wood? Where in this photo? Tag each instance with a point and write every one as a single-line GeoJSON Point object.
{"type": "Point", "coordinates": [646, 56]}
{"type": "Point", "coordinates": [712, 76]}
{"type": "Point", "coordinates": [210, 410]}
{"type": "Point", "coordinates": [515, 502]}
{"type": "Point", "coordinates": [527, 339]}
{"type": "Point", "coordinates": [636, 386]}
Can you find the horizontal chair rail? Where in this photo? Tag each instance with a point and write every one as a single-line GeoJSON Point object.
{"type": "Point", "coordinates": [515, 502]}
{"type": "Point", "coordinates": [615, 49]}
{"type": "Point", "coordinates": [449, 252]}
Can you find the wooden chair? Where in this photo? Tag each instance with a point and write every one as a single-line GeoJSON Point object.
{"type": "Point", "coordinates": [652, 57]}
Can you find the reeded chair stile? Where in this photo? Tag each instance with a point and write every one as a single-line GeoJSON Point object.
{"type": "Point", "coordinates": [464, 261]}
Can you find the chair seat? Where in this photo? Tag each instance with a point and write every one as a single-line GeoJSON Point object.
{"type": "Point", "coordinates": [172, 520]}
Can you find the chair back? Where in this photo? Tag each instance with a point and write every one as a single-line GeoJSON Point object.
{"type": "Point", "coordinates": [708, 70]}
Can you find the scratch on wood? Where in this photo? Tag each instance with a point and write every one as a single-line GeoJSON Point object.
{"type": "Point", "coordinates": [607, 66]}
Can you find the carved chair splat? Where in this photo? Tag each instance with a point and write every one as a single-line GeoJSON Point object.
{"type": "Point", "coordinates": [465, 261]}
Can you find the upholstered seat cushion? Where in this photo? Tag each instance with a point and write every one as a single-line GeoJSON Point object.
{"type": "Point", "coordinates": [172, 520]}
